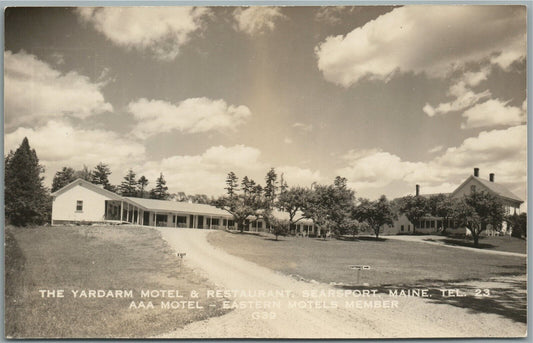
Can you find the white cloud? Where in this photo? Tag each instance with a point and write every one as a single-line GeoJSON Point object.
{"type": "Point", "coordinates": [464, 98]}
{"type": "Point", "coordinates": [436, 149]}
{"type": "Point", "coordinates": [159, 30]}
{"type": "Point", "coordinates": [424, 39]}
{"type": "Point", "coordinates": [500, 151]}
{"type": "Point", "coordinates": [206, 173]}
{"type": "Point", "coordinates": [473, 79]}
{"type": "Point", "coordinates": [192, 115]}
{"type": "Point", "coordinates": [331, 15]}
{"type": "Point", "coordinates": [375, 168]}
{"type": "Point", "coordinates": [491, 113]}
{"type": "Point", "coordinates": [36, 93]}
{"type": "Point", "coordinates": [257, 19]}
{"type": "Point", "coordinates": [296, 176]}
{"type": "Point", "coordinates": [58, 144]}
{"type": "Point", "coordinates": [303, 127]}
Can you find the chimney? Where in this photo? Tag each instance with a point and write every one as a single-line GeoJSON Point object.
{"type": "Point", "coordinates": [491, 177]}
{"type": "Point", "coordinates": [417, 190]}
{"type": "Point", "coordinates": [476, 172]}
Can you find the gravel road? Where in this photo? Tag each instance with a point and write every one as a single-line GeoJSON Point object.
{"type": "Point", "coordinates": [318, 311]}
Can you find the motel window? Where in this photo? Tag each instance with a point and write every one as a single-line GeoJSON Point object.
{"type": "Point", "coordinates": [79, 205]}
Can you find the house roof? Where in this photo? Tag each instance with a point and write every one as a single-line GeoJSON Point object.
{"type": "Point", "coordinates": [494, 187]}
{"type": "Point", "coordinates": [175, 206]}
{"type": "Point", "coordinates": [89, 185]}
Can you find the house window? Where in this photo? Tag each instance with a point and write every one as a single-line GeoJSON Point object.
{"type": "Point", "coordinates": [401, 229]}
{"type": "Point", "coordinates": [79, 206]}
{"type": "Point", "coordinates": [259, 225]}
{"type": "Point", "coordinates": [408, 227]}
{"type": "Point", "coordinates": [473, 188]}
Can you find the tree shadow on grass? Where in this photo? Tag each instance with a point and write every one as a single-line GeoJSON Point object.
{"type": "Point", "coordinates": [509, 302]}
{"type": "Point", "coordinates": [462, 243]}
{"type": "Point", "coordinates": [372, 239]}
{"type": "Point", "coordinates": [273, 239]}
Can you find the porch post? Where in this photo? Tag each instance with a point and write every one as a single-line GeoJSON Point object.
{"type": "Point", "coordinates": [122, 211]}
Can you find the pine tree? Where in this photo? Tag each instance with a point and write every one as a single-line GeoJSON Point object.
{"type": "Point", "coordinates": [232, 184]}
{"type": "Point", "coordinates": [63, 178]}
{"type": "Point", "coordinates": [128, 187]}
{"type": "Point", "coordinates": [26, 199]}
{"type": "Point", "coordinates": [100, 176]}
{"type": "Point", "coordinates": [142, 182]}
{"type": "Point", "coordinates": [161, 190]}
{"type": "Point", "coordinates": [270, 186]}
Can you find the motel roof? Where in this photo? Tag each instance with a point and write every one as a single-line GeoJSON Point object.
{"type": "Point", "coordinates": [165, 206]}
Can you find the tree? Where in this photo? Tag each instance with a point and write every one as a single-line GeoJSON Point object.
{"type": "Point", "coordinates": [414, 208]}
{"type": "Point", "coordinates": [477, 211]}
{"type": "Point", "coordinates": [279, 227]}
{"type": "Point", "coordinates": [247, 185]}
{"type": "Point", "coordinates": [245, 205]}
{"type": "Point", "coordinates": [293, 201]}
{"type": "Point", "coordinates": [27, 201]}
{"type": "Point", "coordinates": [238, 206]}
{"type": "Point", "coordinates": [142, 182]}
{"type": "Point", "coordinates": [100, 176]}
{"type": "Point", "coordinates": [161, 190]}
{"type": "Point", "coordinates": [375, 213]}
{"type": "Point", "coordinates": [343, 206]}
{"type": "Point", "coordinates": [232, 184]}
{"type": "Point", "coordinates": [128, 187]}
{"type": "Point", "coordinates": [62, 178]}
{"type": "Point", "coordinates": [318, 207]}
{"type": "Point", "coordinates": [84, 174]}
{"type": "Point", "coordinates": [442, 205]}
{"type": "Point", "coordinates": [517, 223]}
{"type": "Point", "coordinates": [270, 186]}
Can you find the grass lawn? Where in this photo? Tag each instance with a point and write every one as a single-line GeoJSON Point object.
{"type": "Point", "coordinates": [392, 262]}
{"type": "Point", "coordinates": [94, 258]}
{"type": "Point", "coordinates": [498, 243]}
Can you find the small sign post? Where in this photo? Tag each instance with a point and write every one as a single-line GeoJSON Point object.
{"type": "Point", "coordinates": [181, 255]}
{"type": "Point", "coordinates": [359, 268]}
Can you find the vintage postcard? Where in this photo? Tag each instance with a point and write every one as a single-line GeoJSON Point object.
{"type": "Point", "coordinates": [312, 172]}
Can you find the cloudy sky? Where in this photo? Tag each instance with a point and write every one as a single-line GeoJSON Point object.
{"type": "Point", "coordinates": [387, 97]}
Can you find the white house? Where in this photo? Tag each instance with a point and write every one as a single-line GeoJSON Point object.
{"type": "Point", "coordinates": [474, 183]}
{"type": "Point", "coordinates": [84, 202]}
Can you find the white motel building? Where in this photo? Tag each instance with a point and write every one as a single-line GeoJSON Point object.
{"type": "Point", "coordinates": [86, 203]}
{"type": "Point", "coordinates": [82, 202]}
{"type": "Point", "coordinates": [474, 183]}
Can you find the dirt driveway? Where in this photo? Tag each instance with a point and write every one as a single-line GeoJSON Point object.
{"type": "Point", "coordinates": [270, 305]}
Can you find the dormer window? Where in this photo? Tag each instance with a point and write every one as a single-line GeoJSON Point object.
{"type": "Point", "coordinates": [79, 206]}
{"type": "Point", "coordinates": [473, 188]}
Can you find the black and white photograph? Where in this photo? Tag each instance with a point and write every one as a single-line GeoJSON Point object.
{"type": "Point", "coordinates": [265, 172]}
